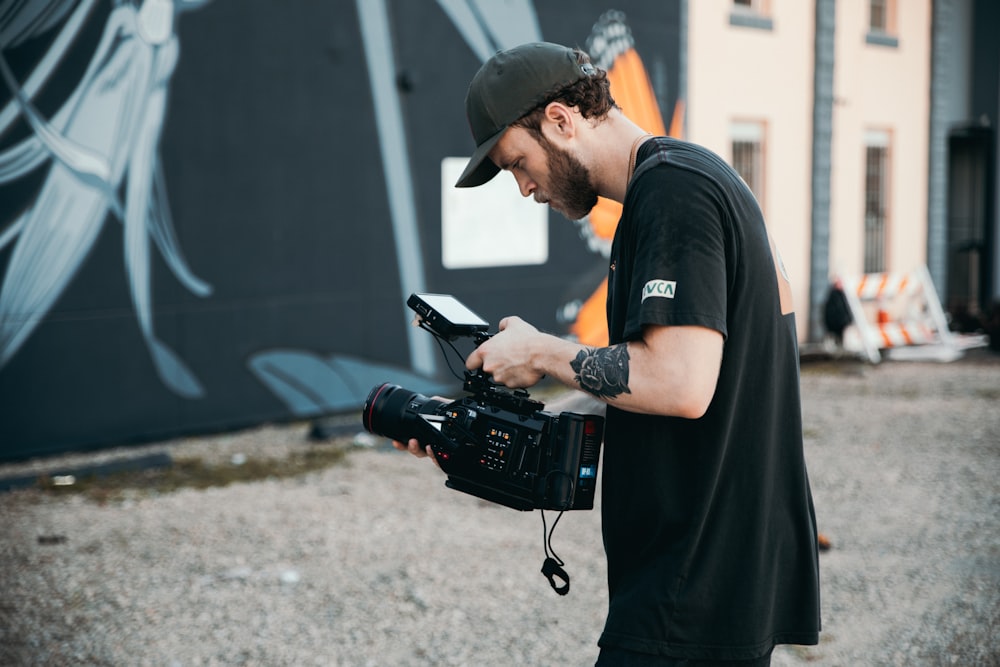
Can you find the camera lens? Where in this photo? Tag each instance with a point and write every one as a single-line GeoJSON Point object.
{"type": "Point", "coordinates": [394, 412]}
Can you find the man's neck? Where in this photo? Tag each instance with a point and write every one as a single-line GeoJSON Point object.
{"type": "Point", "coordinates": [615, 142]}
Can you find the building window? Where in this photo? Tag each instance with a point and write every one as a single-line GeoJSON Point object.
{"type": "Point", "coordinates": [882, 23]}
{"type": "Point", "coordinates": [752, 14]}
{"type": "Point", "coordinates": [878, 16]}
{"type": "Point", "coordinates": [748, 155]}
{"type": "Point", "coordinates": [876, 199]}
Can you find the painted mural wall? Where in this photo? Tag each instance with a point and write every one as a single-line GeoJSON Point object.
{"type": "Point", "coordinates": [212, 211]}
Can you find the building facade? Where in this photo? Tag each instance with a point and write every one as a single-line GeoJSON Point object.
{"type": "Point", "coordinates": [867, 130]}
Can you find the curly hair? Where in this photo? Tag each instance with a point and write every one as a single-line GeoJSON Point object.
{"type": "Point", "coordinates": [591, 96]}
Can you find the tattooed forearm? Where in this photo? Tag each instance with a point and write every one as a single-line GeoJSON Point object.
{"type": "Point", "coordinates": [603, 372]}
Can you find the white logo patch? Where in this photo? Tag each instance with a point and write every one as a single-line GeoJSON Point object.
{"type": "Point", "coordinates": [661, 288]}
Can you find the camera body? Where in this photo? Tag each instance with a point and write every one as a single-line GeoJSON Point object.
{"type": "Point", "coordinates": [497, 444]}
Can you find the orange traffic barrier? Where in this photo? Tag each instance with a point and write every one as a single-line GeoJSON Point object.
{"type": "Point", "coordinates": [900, 314]}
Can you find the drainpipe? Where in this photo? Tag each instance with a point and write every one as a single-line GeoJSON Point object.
{"type": "Point", "coordinates": [819, 259]}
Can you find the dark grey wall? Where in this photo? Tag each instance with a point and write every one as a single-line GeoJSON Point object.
{"type": "Point", "coordinates": [271, 162]}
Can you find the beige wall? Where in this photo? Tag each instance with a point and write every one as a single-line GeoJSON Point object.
{"type": "Point", "coordinates": [888, 89]}
{"type": "Point", "coordinates": [738, 73]}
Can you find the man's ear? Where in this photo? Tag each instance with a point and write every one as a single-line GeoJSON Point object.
{"type": "Point", "coordinates": [560, 119]}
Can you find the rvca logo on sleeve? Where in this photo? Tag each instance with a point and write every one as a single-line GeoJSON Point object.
{"type": "Point", "coordinates": [663, 289]}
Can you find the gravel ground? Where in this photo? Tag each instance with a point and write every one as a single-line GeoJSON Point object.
{"type": "Point", "coordinates": [374, 562]}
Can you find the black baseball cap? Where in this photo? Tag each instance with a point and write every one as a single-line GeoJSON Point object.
{"type": "Point", "coordinates": [508, 86]}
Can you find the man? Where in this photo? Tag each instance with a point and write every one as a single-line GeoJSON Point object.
{"type": "Point", "coordinates": [708, 521]}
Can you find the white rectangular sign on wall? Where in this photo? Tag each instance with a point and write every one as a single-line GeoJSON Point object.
{"type": "Point", "coordinates": [490, 225]}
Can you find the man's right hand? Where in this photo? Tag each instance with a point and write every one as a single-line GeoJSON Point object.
{"type": "Point", "coordinates": [414, 447]}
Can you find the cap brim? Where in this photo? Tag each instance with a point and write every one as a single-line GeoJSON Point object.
{"type": "Point", "coordinates": [480, 168]}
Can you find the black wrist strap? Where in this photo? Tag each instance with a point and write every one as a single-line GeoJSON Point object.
{"type": "Point", "coordinates": [552, 571]}
{"type": "Point", "coordinates": [552, 567]}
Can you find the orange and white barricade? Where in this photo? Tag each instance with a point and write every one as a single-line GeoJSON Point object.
{"type": "Point", "coordinates": [900, 314]}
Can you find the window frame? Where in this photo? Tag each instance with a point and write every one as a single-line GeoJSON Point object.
{"type": "Point", "coordinates": [751, 14]}
{"type": "Point", "coordinates": [877, 202]}
{"type": "Point", "coordinates": [752, 132]}
{"type": "Point", "coordinates": [884, 32]}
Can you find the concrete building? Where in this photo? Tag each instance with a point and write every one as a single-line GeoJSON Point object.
{"type": "Point", "coordinates": [867, 130]}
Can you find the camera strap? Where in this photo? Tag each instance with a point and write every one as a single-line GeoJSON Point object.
{"type": "Point", "coordinates": [552, 568]}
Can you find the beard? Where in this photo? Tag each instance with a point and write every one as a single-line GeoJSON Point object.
{"type": "Point", "coordinates": [571, 192]}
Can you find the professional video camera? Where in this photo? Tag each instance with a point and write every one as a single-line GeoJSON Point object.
{"type": "Point", "coordinates": [496, 444]}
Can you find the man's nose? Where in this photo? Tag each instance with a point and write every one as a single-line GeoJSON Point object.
{"type": "Point", "coordinates": [525, 185]}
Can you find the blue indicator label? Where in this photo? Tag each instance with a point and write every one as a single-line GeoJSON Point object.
{"type": "Point", "coordinates": [588, 471]}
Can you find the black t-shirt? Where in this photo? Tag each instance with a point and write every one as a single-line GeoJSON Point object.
{"type": "Point", "coordinates": [708, 524]}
